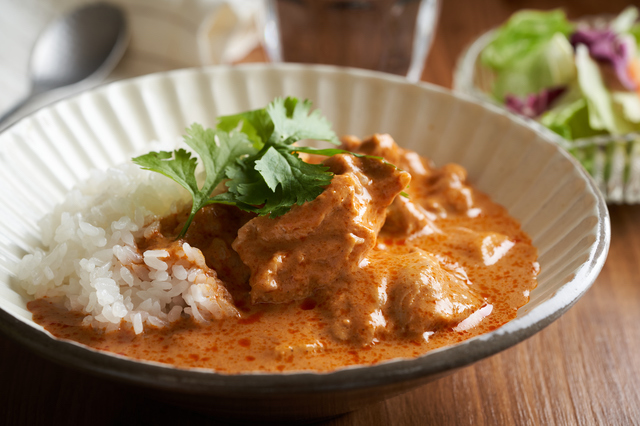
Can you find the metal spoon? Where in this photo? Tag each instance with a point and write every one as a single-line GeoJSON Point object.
{"type": "Point", "coordinates": [84, 45]}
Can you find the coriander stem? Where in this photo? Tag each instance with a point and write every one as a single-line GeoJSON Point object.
{"type": "Point", "coordinates": [183, 232]}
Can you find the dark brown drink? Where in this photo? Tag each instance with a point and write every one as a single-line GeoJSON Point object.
{"type": "Point", "coordinates": [372, 34]}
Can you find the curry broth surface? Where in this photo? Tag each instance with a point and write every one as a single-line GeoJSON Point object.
{"type": "Point", "coordinates": [294, 336]}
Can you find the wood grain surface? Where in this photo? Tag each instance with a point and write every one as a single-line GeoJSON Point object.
{"type": "Point", "coordinates": [583, 369]}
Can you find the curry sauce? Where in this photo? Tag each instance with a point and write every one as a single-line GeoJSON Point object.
{"type": "Point", "coordinates": [393, 275]}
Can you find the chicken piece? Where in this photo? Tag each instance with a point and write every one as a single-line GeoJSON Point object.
{"type": "Point", "coordinates": [417, 165]}
{"type": "Point", "coordinates": [213, 230]}
{"type": "Point", "coordinates": [405, 218]}
{"type": "Point", "coordinates": [383, 145]}
{"type": "Point", "coordinates": [445, 192]}
{"type": "Point", "coordinates": [378, 145]}
{"type": "Point", "coordinates": [426, 296]}
{"type": "Point", "coordinates": [354, 306]}
{"type": "Point", "coordinates": [440, 191]}
{"type": "Point", "coordinates": [314, 244]}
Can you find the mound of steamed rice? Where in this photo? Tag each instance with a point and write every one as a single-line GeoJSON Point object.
{"type": "Point", "coordinates": [91, 262]}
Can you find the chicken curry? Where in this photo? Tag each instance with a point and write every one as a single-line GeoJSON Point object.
{"type": "Point", "coordinates": [394, 259]}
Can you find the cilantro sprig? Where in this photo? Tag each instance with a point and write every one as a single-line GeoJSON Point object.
{"type": "Point", "coordinates": [253, 153]}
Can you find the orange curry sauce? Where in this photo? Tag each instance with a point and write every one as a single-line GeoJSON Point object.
{"type": "Point", "coordinates": [297, 335]}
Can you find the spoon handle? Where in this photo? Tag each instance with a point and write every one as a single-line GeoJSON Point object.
{"type": "Point", "coordinates": [6, 116]}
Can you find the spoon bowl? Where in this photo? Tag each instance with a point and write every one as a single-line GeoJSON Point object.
{"type": "Point", "coordinates": [83, 45]}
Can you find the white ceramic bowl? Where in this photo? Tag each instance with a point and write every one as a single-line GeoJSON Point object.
{"type": "Point", "coordinates": [45, 155]}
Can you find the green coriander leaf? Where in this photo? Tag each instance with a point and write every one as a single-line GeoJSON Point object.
{"type": "Point", "coordinates": [300, 181]}
{"type": "Point", "coordinates": [293, 121]}
{"type": "Point", "coordinates": [180, 167]}
{"type": "Point", "coordinates": [273, 166]}
{"type": "Point", "coordinates": [254, 154]}
{"type": "Point", "coordinates": [284, 122]}
{"type": "Point", "coordinates": [276, 181]}
{"type": "Point", "coordinates": [247, 184]}
{"type": "Point", "coordinates": [217, 149]}
{"type": "Point", "coordinates": [177, 165]}
{"type": "Point", "coordinates": [256, 124]}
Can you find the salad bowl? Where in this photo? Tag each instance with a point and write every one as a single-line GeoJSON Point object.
{"type": "Point", "coordinates": [610, 156]}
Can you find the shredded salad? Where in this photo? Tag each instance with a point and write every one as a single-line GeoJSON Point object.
{"type": "Point", "coordinates": [577, 79]}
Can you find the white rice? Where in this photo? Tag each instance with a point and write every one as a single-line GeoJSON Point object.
{"type": "Point", "coordinates": [90, 258]}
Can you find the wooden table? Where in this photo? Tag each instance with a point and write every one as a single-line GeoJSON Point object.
{"type": "Point", "coordinates": [583, 369]}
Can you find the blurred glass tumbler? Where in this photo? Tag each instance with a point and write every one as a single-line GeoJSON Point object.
{"type": "Point", "coordinates": [393, 36]}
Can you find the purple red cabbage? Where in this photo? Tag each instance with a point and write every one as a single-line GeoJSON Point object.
{"type": "Point", "coordinates": [606, 46]}
{"type": "Point", "coordinates": [533, 105]}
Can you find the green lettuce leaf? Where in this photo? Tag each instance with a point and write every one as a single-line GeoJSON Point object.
{"type": "Point", "coordinates": [524, 34]}
{"type": "Point", "coordinates": [629, 104]}
{"type": "Point", "coordinates": [570, 120]}
{"type": "Point", "coordinates": [635, 32]}
{"type": "Point", "coordinates": [550, 66]}
{"type": "Point", "coordinates": [604, 113]}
